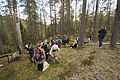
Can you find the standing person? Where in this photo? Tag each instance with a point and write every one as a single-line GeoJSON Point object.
{"type": "Point", "coordinates": [46, 49]}
{"type": "Point", "coordinates": [101, 35]}
{"type": "Point", "coordinates": [64, 41]}
{"type": "Point", "coordinates": [31, 51]}
{"type": "Point", "coordinates": [39, 56]}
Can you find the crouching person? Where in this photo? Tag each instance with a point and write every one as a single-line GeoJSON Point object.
{"type": "Point", "coordinates": [39, 57]}
{"type": "Point", "coordinates": [74, 45]}
{"type": "Point", "coordinates": [54, 53]}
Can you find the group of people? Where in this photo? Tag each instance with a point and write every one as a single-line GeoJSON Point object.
{"type": "Point", "coordinates": [101, 34]}
{"type": "Point", "coordinates": [42, 50]}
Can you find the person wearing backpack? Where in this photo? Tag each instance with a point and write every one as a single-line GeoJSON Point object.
{"type": "Point", "coordinates": [39, 56]}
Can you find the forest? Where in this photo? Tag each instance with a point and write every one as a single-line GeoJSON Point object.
{"type": "Point", "coordinates": [31, 21]}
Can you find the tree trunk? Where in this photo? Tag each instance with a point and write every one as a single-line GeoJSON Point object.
{"type": "Point", "coordinates": [11, 24]}
{"type": "Point", "coordinates": [68, 17]}
{"type": "Point", "coordinates": [17, 25]}
{"type": "Point", "coordinates": [116, 27]}
{"type": "Point", "coordinates": [29, 27]}
{"type": "Point", "coordinates": [45, 26]}
{"type": "Point", "coordinates": [62, 17]}
{"type": "Point", "coordinates": [35, 32]}
{"type": "Point", "coordinates": [101, 20]}
{"type": "Point", "coordinates": [108, 15]}
{"type": "Point", "coordinates": [41, 25]}
{"type": "Point", "coordinates": [55, 25]}
{"type": "Point", "coordinates": [82, 25]}
{"type": "Point", "coordinates": [1, 31]}
{"type": "Point", "coordinates": [50, 1]}
{"type": "Point", "coordinates": [87, 15]}
{"type": "Point", "coordinates": [10, 7]}
{"type": "Point", "coordinates": [95, 23]}
{"type": "Point", "coordinates": [1, 42]}
{"type": "Point", "coordinates": [55, 20]}
{"type": "Point", "coordinates": [75, 16]}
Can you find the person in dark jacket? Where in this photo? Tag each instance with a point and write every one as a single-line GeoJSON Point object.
{"type": "Point", "coordinates": [46, 49]}
{"type": "Point", "coordinates": [101, 34]}
{"type": "Point", "coordinates": [64, 41]}
{"type": "Point", "coordinates": [68, 40]}
{"type": "Point", "coordinates": [31, 52]}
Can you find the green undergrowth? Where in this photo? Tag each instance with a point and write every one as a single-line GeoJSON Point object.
{"type": "Point", "coordinates": [24, 70]}
{"type": "Point", "coordinates": [19, 70]}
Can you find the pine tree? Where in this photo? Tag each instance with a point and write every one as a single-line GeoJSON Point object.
{"type": "Point", "coordinates": [116, 26]}
{"type": "Point", "coordinates": [82, 24]}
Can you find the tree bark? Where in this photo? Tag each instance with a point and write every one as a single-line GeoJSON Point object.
{"type": "Point", "coordinates": [55, 20]}
{"type": "Point", "coordinates": [68, 17]}
{"type": "Point", "coordinates": [108, 15]}
{"type": "Point", "coordinates": [87, 14]}
{"type": "Point", "coordinates": [116, 26]}
{"type": "Point", "coordinates": [1, 31]}
{"type": "Point", "coordinates": [41, 25]}
{"type": "Point", "coordinates": [17, 25]}
{"type": "Point", "coordinates": [50, 1]}
{"type": "Point", "coordinates": [62, 17]}
{"type": "Point", "coordinates": [29, 27]}
{"type": "Point", "coordinates": [82, 25]}
{"type": "Point", "coordinates": [11, 24]}
{"type": "Point", "coordinates": [10, 6]}
{"type": "Point", "coordinates": [45, 31]}
{"type": "Point", "coordinates": [95, 23]}
{"type": "Point", "coordinates": [75, 16]}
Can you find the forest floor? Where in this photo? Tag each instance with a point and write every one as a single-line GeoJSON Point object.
{"type": "Point", "coordinates": [87, 63]}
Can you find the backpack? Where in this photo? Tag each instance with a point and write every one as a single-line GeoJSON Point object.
{"type": "Point", "coordinates": [36, 54]}
{"type": "Point", "coordinates": [59, 41]}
